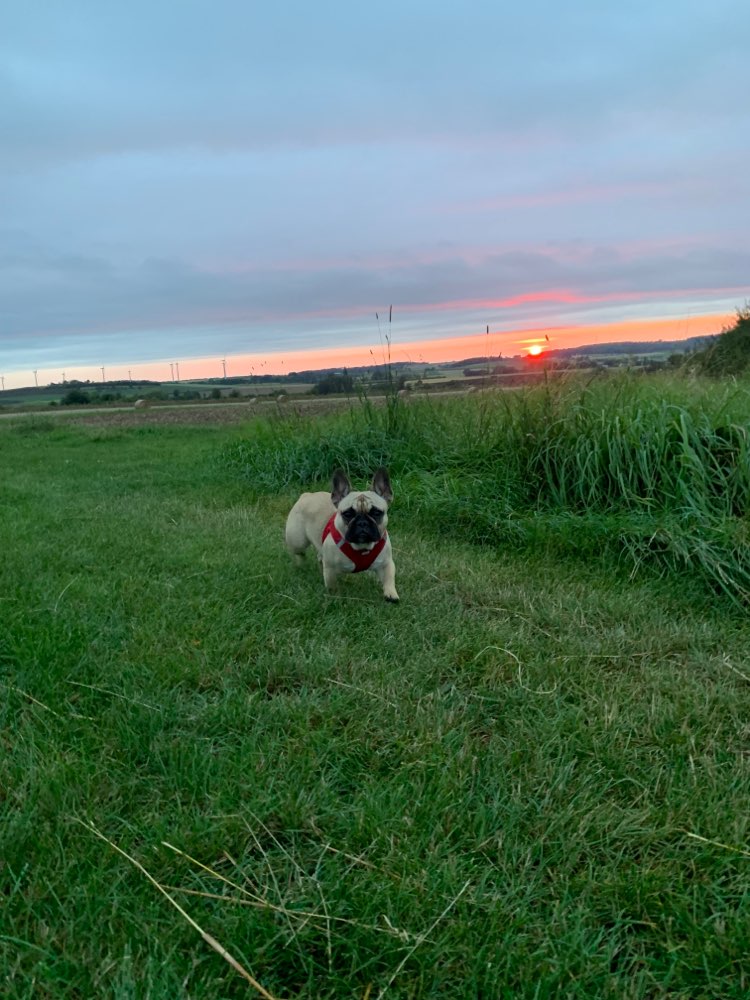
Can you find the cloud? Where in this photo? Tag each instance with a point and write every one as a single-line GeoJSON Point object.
{"type": "Point", "coordinates": [82, 80]}
{"type": "Point", "coordinates": [224, 173]}
{"type": "Point", "coordinates": [67, 299]}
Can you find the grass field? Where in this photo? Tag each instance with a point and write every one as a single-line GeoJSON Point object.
{"type": "Point", "coordinates": [529, 779]}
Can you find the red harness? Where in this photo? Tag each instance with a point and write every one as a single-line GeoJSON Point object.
{"type": "Point", "coordinates": [361, 560]}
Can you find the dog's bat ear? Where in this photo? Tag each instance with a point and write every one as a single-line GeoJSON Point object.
{"type": "Point", "coordinates": [381, 484]}
{"type": "Point", "coordinates": [341, 487]}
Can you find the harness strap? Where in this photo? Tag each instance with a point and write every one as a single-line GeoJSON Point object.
{"type": "Point", "coordinates": [361, 560]}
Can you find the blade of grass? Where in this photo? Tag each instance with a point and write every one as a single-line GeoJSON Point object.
{"type": "Point", "coordinates": [210, 941]}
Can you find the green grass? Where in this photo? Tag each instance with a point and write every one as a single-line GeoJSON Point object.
{"type": "Point", "coordinates": [21, 397]}
{"type": "Point", "coordinates": [485, 791]}
{"type": "Point", "coordinates": [654, 471]}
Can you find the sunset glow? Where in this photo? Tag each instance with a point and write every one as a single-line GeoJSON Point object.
{"type": "Point", "coordinates": [532, 342]}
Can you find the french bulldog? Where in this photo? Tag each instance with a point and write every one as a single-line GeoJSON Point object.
{"type": "Point", "coordinates": [347, 528]}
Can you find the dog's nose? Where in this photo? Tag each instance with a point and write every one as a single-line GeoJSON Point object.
{"type": "Point", "coordinates": [363, 530]}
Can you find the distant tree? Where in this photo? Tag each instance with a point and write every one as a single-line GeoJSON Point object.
{"type": "Point", "coordinates": [75, 397]}
{"type": "Point", "coordinates": [334, 382]}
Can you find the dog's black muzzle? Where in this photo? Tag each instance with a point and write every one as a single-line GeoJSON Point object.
{"type": "Point", "coordinates": [362, 531]}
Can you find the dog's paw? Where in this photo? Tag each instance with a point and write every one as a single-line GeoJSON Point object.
{"type": "Point", "coordinates": [392, 599]}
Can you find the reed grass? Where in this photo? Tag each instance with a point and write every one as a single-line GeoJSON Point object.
{"type": "Point", "coordinates": [655, 470]}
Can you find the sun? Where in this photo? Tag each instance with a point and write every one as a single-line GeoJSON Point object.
{"type": "Point", "coordinates": [535, 350]}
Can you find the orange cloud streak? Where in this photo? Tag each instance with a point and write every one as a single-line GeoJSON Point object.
{"type": "Point", "coordinates": [506, 342]}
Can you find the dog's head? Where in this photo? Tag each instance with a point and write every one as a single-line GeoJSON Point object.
{"type": "Point", "coordinates": [362, 514]}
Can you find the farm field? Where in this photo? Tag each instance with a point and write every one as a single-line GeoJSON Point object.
{"type": "Point", "coordinates": [43, 397]}
{"type": "Point", "coordinates": [183, 414]}
{"type": "Point", "coordinates": [253, 389]}
{"type": "Point", "coordinates": [531, 778]}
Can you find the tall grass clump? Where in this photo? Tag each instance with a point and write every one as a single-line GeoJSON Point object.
{"type": "Point", "coordinates": [729, 353]}
{"type": "Point", "coordinates": [655, 468]}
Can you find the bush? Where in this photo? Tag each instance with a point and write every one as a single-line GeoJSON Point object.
{"type": "Point", "coordinates": [729, 354]}
{"type": "Point", "coordinates": [333, 383]}
{"type": "Point", "coordinates": [75, 397]}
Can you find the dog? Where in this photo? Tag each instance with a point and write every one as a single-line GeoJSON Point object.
{"type": "Point", "coordinates": [347, 529]}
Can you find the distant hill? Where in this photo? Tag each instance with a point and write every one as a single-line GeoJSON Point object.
{"type": "Point", "coordinates": [639, 347]}
{"type": "Point", "coordinates": [624, 347]}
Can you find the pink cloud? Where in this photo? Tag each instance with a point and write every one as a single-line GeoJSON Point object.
{"type": "Point", "coordinates": [575, 195]}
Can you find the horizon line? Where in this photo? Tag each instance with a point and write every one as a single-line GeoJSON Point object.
{"type": "Point", "coordinates": [438, 350]}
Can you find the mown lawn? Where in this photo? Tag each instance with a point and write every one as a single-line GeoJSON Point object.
{"type": "Point", "coordinates": [529, 779]}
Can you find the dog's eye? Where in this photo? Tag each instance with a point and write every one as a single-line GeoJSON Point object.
{"type": "Point", "coordinates": [348, 514]}
{"type": "Point", "coordinates": [377, 514]}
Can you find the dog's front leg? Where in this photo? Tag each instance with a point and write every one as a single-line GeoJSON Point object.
{"type": "Point", "coordinates": [330, 576]}
{"type": "Point", "coordinates": [387, 577]}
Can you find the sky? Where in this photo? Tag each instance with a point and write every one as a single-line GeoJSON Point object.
{"type": "Point", "coordinates": [198, 181]}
